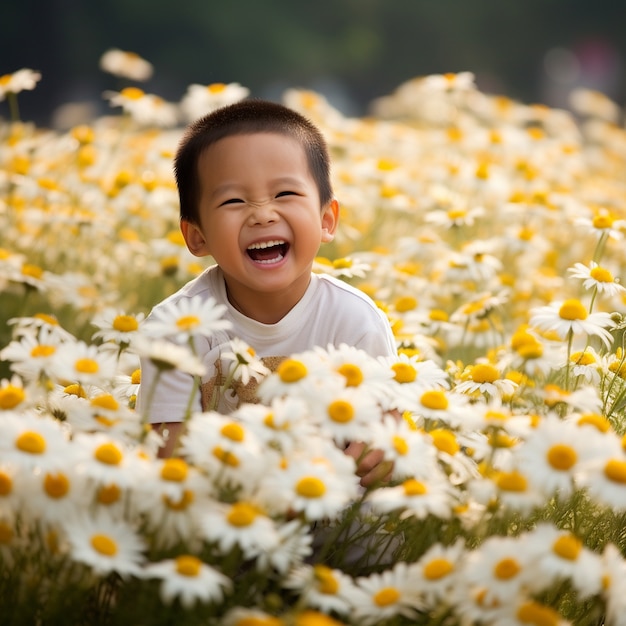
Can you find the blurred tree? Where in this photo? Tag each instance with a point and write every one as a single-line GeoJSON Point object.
{"type": "Point", "coordinates": [366, 46]}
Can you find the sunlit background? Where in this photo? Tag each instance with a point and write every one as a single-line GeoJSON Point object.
{"type": "Point", "coordinates": [352, 51]}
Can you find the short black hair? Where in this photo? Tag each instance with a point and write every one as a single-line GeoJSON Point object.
{"type": "Point", "coordinates": [247, 117]}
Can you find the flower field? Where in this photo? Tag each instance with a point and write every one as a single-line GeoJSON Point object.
{"type": "Point", "coordinates": [489, 231]}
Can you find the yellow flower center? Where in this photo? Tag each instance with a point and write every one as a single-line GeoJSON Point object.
{"type": "Point", "coordinates": [445, 441]}
{"type": "Point", "coordinates": [11, 396]}
{"type": "Point", "coordinates": [597, 421]}
{"type": "Point", "coordinates": [310, 487]}
{"type": "Point", "coordinates": [615, 470]}
{"type": "Point", "coordinates": [185, 501]}
{"type": "Point", "coordinates": [327, 582]}
{"type": "Point", "coordinates": [438, 568]}
{"type": "Point", "coordinates": [400, 445]}
{"type": "Point", "coordinates": [572, 309]}
{"type": "Point", "coordinates": [405, 303]}
{"type": "Point", "coordinates": [352, 374]}
{"type": "Point", "coordinates": [86, 366]}
{"type": "Point", "coordinates": [109, 494]}
{"type": "Point", "coordinates": [342, 264]}
{"type": "Point", "coordinates": [582, 358]}
{"type": "Point", "coordinates": [512, 481]}
{"type": "Point", "coordinates": [125, 323]}
{"type": "Point", "coordinates": [42, 351]}
{"type": "Point", "coordinates": [484, 373]}
{"type": "Point", "coordinates": [506, 569]}
{"type": "Point", "coordinates": [135, 377]}
{"type": "Point", "coordinates": [216, 87]}
{"type": "Point", "coordinates": [104, 545]}
{"type": "Point", "coordinates": [386, 596]}
{"type": "Point", "coordinates": [31, 442]}
{"type": "Point", "coordinates": [601, 275]}
{"type": "Point", "coordinates": [340, 411]}
{"type": "Point", "coordinates": [434, 399]}
{"type": "Point", "coordinates": [75, 390]}
{"type": "Point", "coordinates": [132, 93]}
{"type": "Point", "coordinates": [188, 565]}
{"type": "Point", "coordinates": [34, 271]}
{"type": "Point", "coordinates": [603, 220]}
{"type": "Point", "coordinates": [562, 457]}
{"type": "Point", "coordinates": [188, 322]}
{"type": "Point", "coordinates": [413, 487]}
{"type": "Point", "coordinates": [567, 547]}
{"type": "Point", "coordinates": [438, 315]}
{"type": "Point", "coordinates": [233, 431]}
{"type": "Point", "coordinates": [538, 615]}
{"type": "Point", "coordinates": [105, 401]}
{"type": "Point", "coordinates": [242, 514]}
{"type": "Point", "coordinates": [56, 485]}
{"type": "Point", "coordinates": [6, 484]}
{"type": "Point", "coordinates": [291, 371]}
{"type": "Point", "coordinates": [404, 372]}
{"type": "Point", "coordinates": [174, 470]}
{"type": "Point", "coordinates": [109, 454]}
{"type": "Point", "coordinates": [226, 457]}
{"type": "Point", "coordinates": [6, 533]}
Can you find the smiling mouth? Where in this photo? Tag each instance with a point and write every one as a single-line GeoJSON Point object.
{"type": "Point", "coordinates": [268, 252]}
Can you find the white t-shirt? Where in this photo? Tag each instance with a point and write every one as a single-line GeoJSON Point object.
{"type": "Point", "coordinates": [329, 312]}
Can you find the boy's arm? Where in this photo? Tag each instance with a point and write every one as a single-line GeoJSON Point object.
{"type": "Point", "coordinates": [171, 433]}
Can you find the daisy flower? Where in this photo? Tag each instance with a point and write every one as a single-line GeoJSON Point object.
{"type": "Point", "coordinates": [34, 442]}
{"type": "Point", "coordinates": [104, 544]}
{"type": "Point", "coordinates": [343, 268]}
{"type": "Point", "coordinates": [379, 598]}
{"type": "Point", "coordinates": [411, 451]}
{"type": "Point", "coordinates": [444, 407]}
{"type": "Point", "coordinates": [226, 449]}
{"type": "Point", "coordinates": [144, 108]}
{"type": "Point", "coordinates": [185, 319]}
{"type": "Point", "coordinates": [436, 573]}
{"type": "Point", "coordinates": [202, 99]}
{"type": "Point", "coordinates": [416, 498]}
{"type": "Point", "coordinates": [553, 454]}
{"type": "Point", "coordinates": [501, 567]}
{"type": "Point", "coordinates": [33, 325]}
{"type": "Point", "coordinates": [603, 225]}
{"type": "Point", "coordinates": [570, 318]}
{"type": "Point", "coordinates": [318, 482]}
{"type": "Point", "coordinates": [561, 555]}
{"type": "Point", "coordinates": [597, 278]}
{"type": "Point", "coordinates": [54, 496]}
{"type": "Point", "coordinates": [514, 491]}
{"type": "Point", "coordinates": [614, 588]}
{"type": "Point", "coordinates": [300, 375]}
{"type": "Point", "coordinates": [116, 326]}
{"type": "Point", "coordinates": [244, 364]}
{"type": "Point", "coordinates": [106, 460]}
{"type": "Point", "coordinates": [293, 546]}
{"type": "Point", "coordinates": [345, 413]}
{"type": "Point", "coordinates": [189, 579]}
{"type": "Point", "coordinates": [241, 523]}
{"type": "Point", "coordinates": [24, 79]}
{"type": "Point", "coordinates": [321, 587]}
{"type": "Point", "coordinates": [485, 378]}
{"type": "Point", "coordinates": [33, 356]}
{"type": "Point", "coordinates": [13, 395]}
{"type": "Point", "coordinates": [84, 364]}
{"type": "Point", "coordinates": [126, 65]}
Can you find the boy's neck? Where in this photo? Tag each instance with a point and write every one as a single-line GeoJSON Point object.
{"type": "Point", "coordinates": [266, 308]}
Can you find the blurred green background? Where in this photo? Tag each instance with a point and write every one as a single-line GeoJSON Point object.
{"type": "Point", "coordinates": [350, 50]}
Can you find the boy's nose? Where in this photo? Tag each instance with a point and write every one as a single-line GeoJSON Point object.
{"type": "Point", "coordinates": [263, 213]}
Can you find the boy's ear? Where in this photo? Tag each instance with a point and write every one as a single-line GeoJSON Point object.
{"type": "Point", "coordinates": [196, 243]}
{"type": "Point", "coordinates": [330, 219]}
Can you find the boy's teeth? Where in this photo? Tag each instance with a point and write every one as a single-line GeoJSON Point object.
{"type": "Point", "coordinates": [266, 244]}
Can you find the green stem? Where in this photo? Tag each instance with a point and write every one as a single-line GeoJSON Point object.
{"type": "Point", "coordinates": [13, 106]}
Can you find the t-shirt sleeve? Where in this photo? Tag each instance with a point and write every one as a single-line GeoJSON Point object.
{"type": "Point", "coordinates": [378, 340]}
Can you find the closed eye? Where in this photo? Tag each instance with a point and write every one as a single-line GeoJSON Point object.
{"type": "Point", "coordinates": [232, 201]}
{"type": "Point", "coordinates": [282, 194]}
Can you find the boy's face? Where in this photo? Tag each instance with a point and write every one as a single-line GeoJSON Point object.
{"type": "Point", "coordinates": [259, 215]}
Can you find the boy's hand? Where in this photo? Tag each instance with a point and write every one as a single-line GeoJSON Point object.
{"type": "Point", "coordinates": [371, 464]}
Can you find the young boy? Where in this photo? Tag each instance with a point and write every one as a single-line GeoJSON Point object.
{"type": "Point", "coordinates": [255, 194]}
